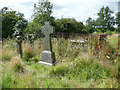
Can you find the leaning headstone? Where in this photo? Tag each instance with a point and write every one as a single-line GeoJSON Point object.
{"type": "Point", "coordinates": [48, 56]}
{"type": "Point", "coordinates": [18, 36]}
{"type": "Point", "coordinates": [31, 40]}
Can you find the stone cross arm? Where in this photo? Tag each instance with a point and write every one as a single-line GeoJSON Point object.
{"type": "Point", "coordinates": [47, 29]}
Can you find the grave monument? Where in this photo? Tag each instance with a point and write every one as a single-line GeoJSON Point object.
{"type": "Point", "coordinates": [48, 56]}
{"type": "Point", "coordinates": [18, 36]}
{"type": "Point", "coordinates": [31, 40]}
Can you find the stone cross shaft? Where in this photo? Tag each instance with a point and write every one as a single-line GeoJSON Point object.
{"type": "Point", "coordinates": [47, 30]}
{"type": "Point", "coordinates": [47, 56]}
{"type": "Point", "coordinates": [19, 46]}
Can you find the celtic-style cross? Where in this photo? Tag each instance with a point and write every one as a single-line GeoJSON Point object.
{"type": "Point", "coordinates": [47, 30]}
{"type": "Point", "coordinates": [47, 56]}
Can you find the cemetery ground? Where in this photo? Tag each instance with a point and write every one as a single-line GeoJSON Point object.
{"type": "Point", "coordinates": [76, 67]}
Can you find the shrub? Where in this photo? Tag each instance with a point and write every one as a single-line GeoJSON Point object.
{"type": "Point", "coordinates": [33, 60]}
{"type": "Point", "coordinates": [27, 52]}
{"type": "Point", "coordinates": [16, 65]}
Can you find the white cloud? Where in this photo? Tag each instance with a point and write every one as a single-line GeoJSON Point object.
{"type": "Point", "coordinates": [78, 9]}
{"type": "Point", "coordinates": [81, 9]}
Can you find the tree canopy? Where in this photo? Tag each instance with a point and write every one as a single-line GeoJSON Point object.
{"type": "Point", "coordinates": [68, 25]}
{"type": "Point", "coordinates": [9, 19]}
{"type": "Point", "coordinates": [104, 22]}
{"type": "Point", "coordinates": [43, 11]}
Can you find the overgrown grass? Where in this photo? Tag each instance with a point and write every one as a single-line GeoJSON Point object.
{"type": "Point", "coordinates": [113, 40]}
{"type": "Point", "coordinates": [78, 73]}
{"type": "Point", "coordinates": [76, 67]}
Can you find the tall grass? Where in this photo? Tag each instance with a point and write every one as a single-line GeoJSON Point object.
{"type": "Point", "coordinates": [27, 52]}
{"type": "Point", "coordinates": [65, 51]}
{"type": "Point", "coordinates": [75, 68]}
{"type": "Point", "coordinates": [8, 50]}
{"type": "Point", "coordinates": [16, 65]}
{"type": "Point", "coordinates": [77, 73]}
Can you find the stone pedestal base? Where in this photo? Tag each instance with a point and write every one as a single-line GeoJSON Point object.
{"type": "Point", "coordinates": [47, 58]}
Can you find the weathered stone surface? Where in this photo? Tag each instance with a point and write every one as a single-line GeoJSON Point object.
{"type": "Point", "coordinates": [31, 40]}
{"type": "Point", "coordinates": [48, 56]}
{"type": "Point", "coordinates": [18, 36]}
{"type": "Point", "coordinates": [19, 46]}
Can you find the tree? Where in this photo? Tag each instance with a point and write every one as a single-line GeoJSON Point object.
{"type": "Point", "coordinates": [105, 19]}
{"type": "Point", "coordinates": [33, 27]}
{"type": "Point", "coordinates": [9, 19]}
{"type": "Point", "coordinates": [118, 21]}
{"type": "Point", "coordinates": [0, 26]}
{"type": "Point", "coordinates": [43, 11]}
{"type": "Point", "coordinates": [68, 25]}
{"type": "Point", "coordinates": [90, 25]}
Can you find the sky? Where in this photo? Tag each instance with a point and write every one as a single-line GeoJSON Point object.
{"type": "Point", "coordinates": [78, 9]}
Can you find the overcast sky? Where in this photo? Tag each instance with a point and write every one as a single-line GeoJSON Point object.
{"type": "Point", "coordinates": [78, 9]}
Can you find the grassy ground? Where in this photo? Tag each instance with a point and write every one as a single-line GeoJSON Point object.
{"type": "Point", "coordinates": [76, 67]}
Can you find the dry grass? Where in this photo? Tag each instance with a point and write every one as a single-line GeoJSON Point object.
{"type": "Point", "coordinates": [28, 52]}
{"type": "Point", "coordinates": [73, 71]}
{"type": "Point", "coordinates": [38, 46]}
{"type": "Point", "coordinates": [7, 54]}
{"type": "Point", "coordinates": [16, 65]}
{"type": "Point", "coordinates": [113, 40]}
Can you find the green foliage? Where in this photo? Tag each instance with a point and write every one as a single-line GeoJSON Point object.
{"type": "Point", "coordinates": [33, 27]}
{"type": "Point", "coordinates": [78, 73]}
{"type": "Point", "coordinates": [21, 25]}
{"type": "Point", "coordinates": [43, 11]}
{"type": "Point", "coordinates": [90, 26]}
{"type": "Point", "coordinates": [103, 23]}
{"type": "Point", "coordinates": [9, 19]}
{"type": "Point", "coordinates": [105, 19]}
{"type": "Point", "coordinates": [110, 32]}
{"type": "Point", "coordinates": [118, 21]}
{"type": "Point", "coordinates": [32, 60]}
{"type": "Point", "coordinates": [118, 17]}
{"type": "Point", "coordinates": [68, 25]}
{"type": "Point", "coordinates": [7, 81]}
{"type": "Point", "coordinates": [0, 26]}
{"type": "Point", "coordinates": [80, 69]}
{"type": "Point", "coordinates": [62, 50]}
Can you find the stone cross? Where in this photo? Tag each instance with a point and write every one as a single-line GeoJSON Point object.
{"type": "Point", "coordinates": [31, 40]}
{"type": "Point", "coordinates": [47, 30]}
{"type": "Point", "coordinates": [19, 46]}
{"type": "Point", "coordinates": [18, 36]}
{"type": "Point", "coordinates": [18, 41]}
{"type": "Point", "coordinates": [48, 56]}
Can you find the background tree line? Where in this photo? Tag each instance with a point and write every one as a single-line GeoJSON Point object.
{"type": "Point", "coordinates": [104, 22]}
{"type": "Point", "coordinates": [9, 19]}
{"type": "Point", "coordinates": [42, 12]}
